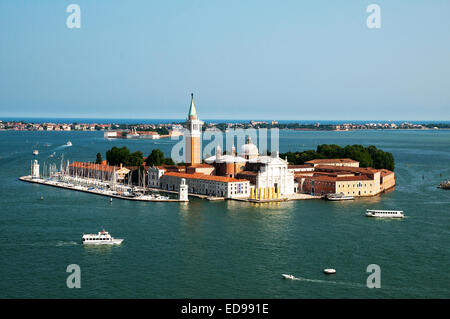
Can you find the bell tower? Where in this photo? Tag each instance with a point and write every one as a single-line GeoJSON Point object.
{"type": "Point", "coordinates": [193, 136]}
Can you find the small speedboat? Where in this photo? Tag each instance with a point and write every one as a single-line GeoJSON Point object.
{"type": "Point", "coordinates": [69, 143]}
{"type": "Point", "coordinates": [329, 271]}
{"type": "Point", "coordinates": [288, 276]}
{"type": "Point", "coordinates": [35, 152]}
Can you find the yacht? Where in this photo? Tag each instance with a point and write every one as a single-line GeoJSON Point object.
{"type": "Point", "coordinates": [102, 238]}
{"type": "Point", "coordinates": [339, 196]}
{"type": "Point", "coordinates": [288, 276]}
{"type": "Point", "coordinates": [69, 143]}
{"type": "Point", "coordinates": [35, 152]}
{"type": "Point", "coordinates": [151, 197]}
{"type": "Point", "coordinates": [384, 213]}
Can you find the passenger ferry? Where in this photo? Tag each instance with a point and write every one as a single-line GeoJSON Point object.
{"type": "Point", "coordinates": [102, 238]}
{"type": "Point", "coordinates": [339, 196]}
{"type": "Point", "coordinates": [384, 213]}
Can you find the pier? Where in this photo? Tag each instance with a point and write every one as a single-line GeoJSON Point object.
{"type": "Point", "coordinates": [95, 191]}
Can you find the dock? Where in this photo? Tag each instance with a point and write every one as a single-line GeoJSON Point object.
{"type": "Point", "coordinates": [29, 179]}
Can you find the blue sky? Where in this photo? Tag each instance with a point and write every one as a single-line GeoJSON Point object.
{"type": "Point", "coordinates": [294, 60]}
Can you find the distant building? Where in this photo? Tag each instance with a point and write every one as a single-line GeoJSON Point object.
{"type": "Point", "coordinates": [148, 135]}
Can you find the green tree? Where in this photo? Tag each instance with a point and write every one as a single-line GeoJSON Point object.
{"type": "Point", "coordinates": [366, 156]}
{"type": "Point", "coordinates": [99, 159]}
{"type": "Point", "coordinates": [117, 156]}
{"type": "Point", "coordinates": [156, 158]}
{"type": "Point", "coordinates": [135, 159]}
{"type": "Point", "coordinates": [169, 161]}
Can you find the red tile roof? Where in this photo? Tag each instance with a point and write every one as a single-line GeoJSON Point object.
{"type": "Point", "coordinates": [93, 166]}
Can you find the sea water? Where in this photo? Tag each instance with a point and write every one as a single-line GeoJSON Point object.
{"type": "Point", "coordinates": [225, 249]}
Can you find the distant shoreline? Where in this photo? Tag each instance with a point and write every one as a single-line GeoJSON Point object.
{"type": "Point", "coordinates": [164, 128]}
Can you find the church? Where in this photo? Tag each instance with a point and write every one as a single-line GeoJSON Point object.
{"type": "Point", "coordinates": [242, 174]}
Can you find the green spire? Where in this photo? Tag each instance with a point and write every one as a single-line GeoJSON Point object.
{"type": "Point", "coordinates": [192, 111]}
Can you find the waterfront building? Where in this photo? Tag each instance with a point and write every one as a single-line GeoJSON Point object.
{"type": "Point", "coordinates": [193, 144]}
{"type": "Point", "coordinates": [270, 174]}
{"type": "Point", "coordinates": [98, 171]}
{"type": "Point", "coordinates": [349, 180]}
{"type": "Point", "coordinates": [155, 173]}
{"type": "Point", "coordinates": [208, 185]}
{"type": "Point", "coordinates": [265, 173]}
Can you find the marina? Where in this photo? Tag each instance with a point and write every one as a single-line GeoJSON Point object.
{"type": "Point", "coordinates": [98, 190]}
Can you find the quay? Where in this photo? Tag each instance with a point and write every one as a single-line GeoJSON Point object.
{"type": "Point", "coordinates": [30, 179]}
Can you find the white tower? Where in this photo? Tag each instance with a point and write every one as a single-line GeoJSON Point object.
{"type": "Point", "coordinates": [35, 169]}
{"type": "Point", "coordinates": [183, 193]}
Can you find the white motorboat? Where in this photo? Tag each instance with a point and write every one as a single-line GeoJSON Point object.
{"type": "Point", "coordinates": [288, 276]}
{"type": "Point", "coordinates": [35, 152]}
{"type": "Point", "coordinates": [340, 196]}
{"type": "Point", "coordinates": [102, 238]}
{"type": "Point", "coordinates": [384, 213]}
{"type": "Point", "coordinates": [69, 143]}
{"type": "Point", "coordinates": [329, 271]}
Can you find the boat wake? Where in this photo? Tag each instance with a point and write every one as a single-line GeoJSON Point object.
{"type": "Point", "coordinates": [66, 243]}
{"type": "Point", "coordinates": [330, 282]}
{"type": "Point", "coordinates": [58, 243]}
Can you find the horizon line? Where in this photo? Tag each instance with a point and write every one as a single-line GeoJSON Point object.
{"type": "Point", "coordinates": [215, 119]}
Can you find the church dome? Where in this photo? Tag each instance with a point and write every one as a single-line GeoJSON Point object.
{"type": "Point", "coordinates": [249, 150]}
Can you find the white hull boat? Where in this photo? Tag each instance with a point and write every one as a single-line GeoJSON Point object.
{"type": "Point", "coordinates": [384, 213]}
{"type": "Point", "coordinates": [329, 271]}
{"type": "Point", "coordinates": [340, 196]}
{"type": "Point", "coordinates": [291, 277]}
{"type": "Point", "coordinates": [102, 238]}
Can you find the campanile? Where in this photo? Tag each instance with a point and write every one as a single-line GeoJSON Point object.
{"type": "Point", "coordinates": [193, 136]}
